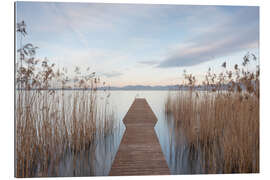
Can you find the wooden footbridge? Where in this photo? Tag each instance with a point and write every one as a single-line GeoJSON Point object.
{"type": "Point", "coordinates": [139, 152]}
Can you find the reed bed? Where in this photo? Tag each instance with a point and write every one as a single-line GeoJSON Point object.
{"type": "Point", "coordinates": [221, 125]}
{"type": "Point", "coordinates": [52, 127]}
{"type": "Point", "coordinates": [49, 126]}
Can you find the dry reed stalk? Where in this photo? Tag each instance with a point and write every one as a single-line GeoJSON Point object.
{"type": "Point", "coordinates": [223, 125]}
{"type": "Point", "coordinates": [49, 125]}
{"type": "Point", "coordinates": [45, 130]}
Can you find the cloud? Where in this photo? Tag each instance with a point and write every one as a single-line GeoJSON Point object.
{"type": "Point", "coordinates": [116, 36]}
{"type": "Point", "coordinates": [112, 74]}
{"type": "Point", "coordinates": [89, 16]}
{"type": "Point", "coordinates": [149, 62]}
{"type": "Point", "coordinates": [229, 35]}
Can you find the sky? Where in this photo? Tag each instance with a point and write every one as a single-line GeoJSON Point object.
{"type": "Point", "coordinates": [140, 44]}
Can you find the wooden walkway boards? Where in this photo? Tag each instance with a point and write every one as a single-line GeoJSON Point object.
{"type": "Point", "coordinates": [139, 152]}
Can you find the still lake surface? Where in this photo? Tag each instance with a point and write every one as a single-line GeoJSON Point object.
{"type": "Point", "coordinates": [98, 161]}
{"type": "Point", "coordinates": [174, 149]}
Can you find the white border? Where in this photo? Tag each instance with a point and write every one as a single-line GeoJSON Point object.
{"type": "Point", "coordinates": [7, 92]}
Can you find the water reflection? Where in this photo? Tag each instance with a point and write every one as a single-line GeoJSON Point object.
{"type": "Point", "coordinates": [181, 158]}
{"type": "Point", "coordinates": [98, 158]}
{"type": "Point", "coordinates": [93, 161]}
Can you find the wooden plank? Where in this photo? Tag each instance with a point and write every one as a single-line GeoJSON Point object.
{"type": "Point", "coordinates": [139, 152]}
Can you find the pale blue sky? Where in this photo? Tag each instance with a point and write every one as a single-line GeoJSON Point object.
{"type": "Point", "coordinates": [128, 44]}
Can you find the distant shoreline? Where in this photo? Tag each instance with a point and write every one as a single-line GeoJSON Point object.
{"type": "Point", "coordinates": [99, 89]}
{"type": "Point", "coordinates": [140, 88]}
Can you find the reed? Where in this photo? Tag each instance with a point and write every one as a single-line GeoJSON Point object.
{"type": "Point", "coordinates": [51, 125]}
{"type": "Point", "coordinates": [221, 123]}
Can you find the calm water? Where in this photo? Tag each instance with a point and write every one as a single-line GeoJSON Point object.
{"type": "Point", "coordinates": [172, 141]}
{"type": "Point", "coordinates": [98, 162]}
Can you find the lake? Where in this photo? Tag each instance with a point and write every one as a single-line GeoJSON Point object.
{"type": "Point", "coordinates": [176, 153]}
{"type": "Point", "coordinates": [98, 159]}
